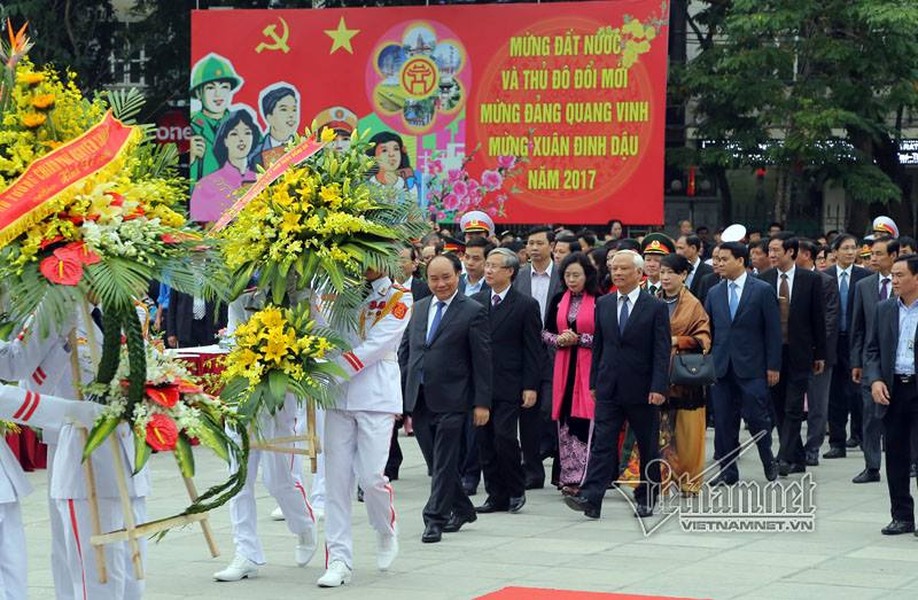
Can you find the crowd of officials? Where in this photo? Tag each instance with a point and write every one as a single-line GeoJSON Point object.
{"type": "Point", "coordinates": [547, 359]}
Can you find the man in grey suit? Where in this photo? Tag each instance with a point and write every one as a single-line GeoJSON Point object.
{"type": "Point", "coordinates": [540, 280]}
{"type": "Point", "coordinates": [890, 358]}
{"type": "Point", "coordinates": [446, 353]}
{"type": "Point", "coordinates": [870, 291]}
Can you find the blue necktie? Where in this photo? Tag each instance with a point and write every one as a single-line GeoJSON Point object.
{"type": "Point", "coordinates": [843, 300]}
{"type": "Point", "coordinates": [623, 315]}
{"type": "Point", "coordinates": [436, 321]}
{"type": "Point", "coordinates": [734, 300]}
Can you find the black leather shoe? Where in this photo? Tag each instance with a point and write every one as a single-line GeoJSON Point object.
{"type": "Point", "coordinates": [517, 503]}
{"type": "Point", "coordinates": [812, 460]}
{"type": "Point", "coordinates": [771, 470]}
{"type": "Point", "coordinates": [433, 533]}
{"type": "Point", "coordinates": [581, 504]}
{"type": "Point", "coordinates": [836, 452]}
{"type": "Point", "coordinates": [898, 527]}
{"type": "Point", "coordinates": [492, 506]}
{"type": "Point", "coordinates": [785, 469]}
{"type": "Point", "coordinates": [720, 480]}
{"type": "Point", "coordinates": [867, 476]}
{"type": "Point", "coordinates": [456, 522]}
{"type": "Point", "coordinates": [853, 442]}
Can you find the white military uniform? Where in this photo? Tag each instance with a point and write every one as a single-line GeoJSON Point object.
{"type": "Point", "coordinates": [44, 366]}
{"type": "Point", "coordinates": [30, 409]}
{"type": "Point", "coordinates": [359, 428]}
{"type": "Point", "coordinates": [280, 473]}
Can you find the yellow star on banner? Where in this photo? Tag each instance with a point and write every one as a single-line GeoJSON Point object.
{"type": "Point", "coordinates": [341, 36]}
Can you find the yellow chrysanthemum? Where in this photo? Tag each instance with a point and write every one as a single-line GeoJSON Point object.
{"type": "Point", "coordinates": [328, 135]}
{"type": "Point", "coordinates": [30, 78]}
{"type": "Point", "coordinates": [33, 120]}
{"type": "Point", "coordinates": [43, 101]}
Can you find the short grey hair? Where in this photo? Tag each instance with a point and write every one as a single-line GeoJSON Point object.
{"type": "Point", "coordinates": [636, 258]}
{"type": "Point", "coordinates": [511, 259]}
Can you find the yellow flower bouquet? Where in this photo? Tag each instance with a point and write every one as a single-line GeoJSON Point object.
{"type": "Point", "coordinates": [279, 350]}
{"type": "Point", "coordinates": [319, 226]}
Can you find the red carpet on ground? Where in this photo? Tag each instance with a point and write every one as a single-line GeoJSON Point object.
{"type": "Point", "coordinates": [522, 593]}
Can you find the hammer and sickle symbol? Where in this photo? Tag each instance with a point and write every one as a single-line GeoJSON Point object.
{"type": "Point", "coordinates": [279, 41]}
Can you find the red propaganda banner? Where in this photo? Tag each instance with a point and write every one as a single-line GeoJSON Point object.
{"type": "Point", "coordinates": [28, 198]}
{"type": "Point", "coordinates": [556, 111]}
{"type": "Point", "coordinates": [296, 155]}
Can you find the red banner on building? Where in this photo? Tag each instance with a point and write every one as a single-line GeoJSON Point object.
{"type": "Point", "coordinates": [28, 199]}
{"type": "Point", "coordinates": [577, 90]}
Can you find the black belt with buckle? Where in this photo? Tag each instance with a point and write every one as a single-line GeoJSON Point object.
{"type": "Point", "coordinates": [904, 379]}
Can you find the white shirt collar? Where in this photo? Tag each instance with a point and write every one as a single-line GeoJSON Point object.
{"type": "Point", "coordinates": [548, 270]}
{"type": "Point", "coordinates": [448, 301]}
{"type": "Point", "coordinates": [848, 271]}
{"type": "Point", "coordinates": [740, 281]}
{"type": "Point", "coordinates": [503, 294]}
{"type": "Point", "coordinates": [632, 296]}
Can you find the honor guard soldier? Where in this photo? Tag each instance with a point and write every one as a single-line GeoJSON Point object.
{"type": "Point", "coordinates": [44, 367]}
{"type": "Point", "coordinates": [358, 429]}
{"type": "Point", "coordinates": [476, 223]}
{"type": "Point", "coordinates": [279, 475]}
{"type": "Point", "coordinates": [33, 410]}
{"type": "Point", "coordinates": [654, 247]}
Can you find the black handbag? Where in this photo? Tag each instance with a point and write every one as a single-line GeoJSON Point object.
{"type": "Point", "coordinates": [692, 369]}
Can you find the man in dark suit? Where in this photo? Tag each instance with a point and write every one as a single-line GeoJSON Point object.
{"type": "Point", "coordinates": [746, 327]}
{"type": "Point", "coordinates": [844, 396]}
{"type": "Point", "coordinates": [193, 321]}
{"type": "Point", "coordinates": [803, 353]}
{"type": "Point", "coordinates": [890, 360]}
{"type": "Point", "coordinates": [471, 283]}
{"type": "Point", "coordinates": [867, 294]}
{"type": "Point", "coordinates": [516, 357]}
{"type": "Point", "coordinates": [540, 280]}
{"type": "Point", "coordinates": [817, 393]}
{"type": "Point", "coordinates": [690, 247]}
{"type": "Point", "coordinates": [629, 379]}
{"type": "Point", "coordinates": [409, 260]}
{"type": "Point", "coordinates": [446, 352]}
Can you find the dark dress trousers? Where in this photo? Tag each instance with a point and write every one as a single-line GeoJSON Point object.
{"type": "Point", "coordinates": [866, 298]}
{"type": "Point", "coordinates": [900, 418]}
{"type": "Point", "coordinates": [844, 395]}
{"type": "Point", "coordinates": [627, 367]}
{"type": "Point", "coordinates": [806, 343]}
{"type": "Point", "coordinates": [538, 434]}
{"type": "Point", "coordinates": [744, 348]}
{"type": "Point", "coordinates": [445, 380]}
{"type": "Point", "coordinates": [516, 354]}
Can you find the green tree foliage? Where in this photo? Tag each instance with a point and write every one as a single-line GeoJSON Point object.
{"type": "Point", "coordinates": [71, 34]}
{"type": "Point", "coordinates": [814, 89]}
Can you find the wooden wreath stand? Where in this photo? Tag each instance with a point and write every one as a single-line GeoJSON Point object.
{"type": "Point", "coordinates": [132, 530]}
{"type": "Point", "coordinates": [287, 445]}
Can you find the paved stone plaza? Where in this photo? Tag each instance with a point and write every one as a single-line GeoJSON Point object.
{"type": "Point", "coordinates": [546, 546]}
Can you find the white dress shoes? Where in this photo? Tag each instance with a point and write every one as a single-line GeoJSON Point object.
{"type": "Point", "coordinates": [336, 575]}
{"type": "Point", "coordinates": [386, 550]}
{"type": "Point", "coordinates": [239, 568]}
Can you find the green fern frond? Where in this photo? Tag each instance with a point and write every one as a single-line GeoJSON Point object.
{"type": "Point", "coordinates": [126, 104]}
